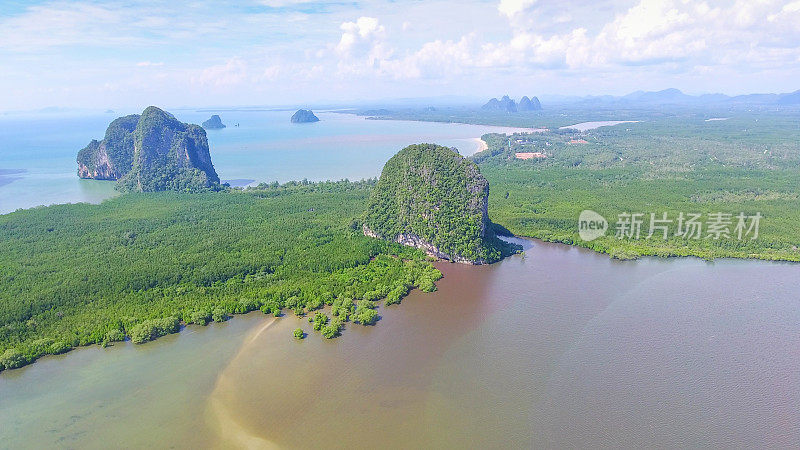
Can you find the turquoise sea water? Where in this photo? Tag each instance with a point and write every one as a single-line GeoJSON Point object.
{"type": "Point", "coordinates": [37, 152]}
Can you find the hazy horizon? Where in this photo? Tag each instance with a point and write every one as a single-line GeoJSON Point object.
{"type": "Point", "coordinates": [123, 54]}
{"type": "Point", "coordinates": [559, 100]}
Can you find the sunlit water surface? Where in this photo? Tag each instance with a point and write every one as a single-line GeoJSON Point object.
{"type": "Point", "coordinates": [37, 152]}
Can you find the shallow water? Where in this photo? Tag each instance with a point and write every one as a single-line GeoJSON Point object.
{"type": "Point", "coordinates": [558, 348]}
{"type": "Point", "coordinates": [122, 396]}
{"type": "Point", "coordinates": [37, 152]}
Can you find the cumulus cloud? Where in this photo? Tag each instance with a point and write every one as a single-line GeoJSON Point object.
{"type": "Point", "coordinates": [511, 8]}
{"type": "Point", "coordinates": [362, 46]}
{"type": "Point", "coordinates": [232, 72]}
{"type": "Point", "coordinates": [434, 60]}
{"type": "Point", "coordinates": [649, 32]}
{"type": "Point", "coordinates": [363, 34]}
{"type": "Point", "coordinates": [668, 35]}
{"type": "Point", "coordinates": [235, 47]}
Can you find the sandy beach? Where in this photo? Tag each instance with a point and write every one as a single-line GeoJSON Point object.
{"type": "Point", "coordinates": [482, 145]}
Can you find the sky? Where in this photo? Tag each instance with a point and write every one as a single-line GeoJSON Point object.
{"type": "Point", "coordinates": [114, 54]}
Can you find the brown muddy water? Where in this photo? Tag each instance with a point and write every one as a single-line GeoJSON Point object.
{"type": "Point", "coordinates": [559, 348]}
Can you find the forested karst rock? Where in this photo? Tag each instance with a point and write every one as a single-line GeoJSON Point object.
{"type": "Point", "coordinates": [213, 123]}
{"type": "Point", "coordinates": [112, 157]}
{"type": "Point", "coordinates": [150, 152]}
{"type": "Point", "coordinates": [505, 104]}
{"type": "Point", "coordinates": [529, 104]}
{"type": "Point", "coordinates": [304, 116]}
{"type": "Point", "coordinates": [430, 197]}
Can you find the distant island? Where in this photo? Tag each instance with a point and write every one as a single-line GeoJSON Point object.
{"type": "Point", "coordinates": [213, 123]}
{"type": "Point", "coordinates": [150, 152]}
{"type": "Point", "coordinates": [304, 116]}
{"type": "Point", "coordinates": [432, 198]}
{"type": "Point", "coordinates": [506, 104]}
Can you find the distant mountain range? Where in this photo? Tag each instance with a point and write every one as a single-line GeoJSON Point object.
{"type": "Point", "coordinates": [385, 106]}
{"type": "Point", "coordinates": [676, 97]}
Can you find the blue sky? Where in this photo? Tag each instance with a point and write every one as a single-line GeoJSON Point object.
{"type": "Point", "coordinates": [107, 54]}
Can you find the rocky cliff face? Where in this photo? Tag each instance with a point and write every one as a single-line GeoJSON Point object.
{"type": "Point", "coordinates": [110, 158]}
{"type": "Point", "coordinates": [150, 152]}
{"type": "Point", "coordinates": [431, 198]}
{"type": "Point", "coordinates": [431, 250]}
{"type": "Point", "coordinates": [97, 166]}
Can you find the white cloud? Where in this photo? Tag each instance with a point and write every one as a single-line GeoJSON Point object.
{"type": "Point", "coordinates": [232, 72]}
{"type": "Point", "coordinates": [650, 33]}
{"type": "Point", "coordinates": [272, 73]}
{"type": "Point", "coordinates": [670, 36]}
{"type": "Point", "coordinates": [61, 25]}
{"type": "Point", "coordinates": [369, 47]}
{"type": "Point", "coordinates": [440, 60]}
{"type": "Point", "coordinates": [792, 7]}
{"type": "Point", "coordinates": [362, 34]}
{"type": "Point", "coordinates": [511, 8]}
{"type": "Point", "coordinates": [362, 46]}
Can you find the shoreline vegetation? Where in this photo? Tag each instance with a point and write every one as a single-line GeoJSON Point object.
{"type": "Point", "coordinates": [644, 168]}
{"type": "Point", "coordinates": [143, 265]}
{"type": "Point", "coordinates": [161, 261]}
{"type": "Point", "coordinates": [658, 159]}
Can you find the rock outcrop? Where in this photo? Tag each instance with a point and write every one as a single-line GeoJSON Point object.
{"type": "Point", "coordinates": [213, 123]}
{"type": "Point", "coordinates": [150, 152]}
{"type": "Point", "coordinates": [112, 157]}
{"type": "Point", "coordinates": [304, 116]}
{"type": "Point", "coordinates": [432, 198]}
{"type": "Point", "coordinates": [529, 104]}
{"type": "Point", "coordinates": [505, 104]}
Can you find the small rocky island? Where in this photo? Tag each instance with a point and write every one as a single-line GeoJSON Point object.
{"type": "Point", "coordinates": [150, 152]}
{"type": "Point", "coordinates": [432, 198]}
{"type": "Point", "coordinates": [213, 123]}
{"type": "Point", "coordinates": [304, 116]}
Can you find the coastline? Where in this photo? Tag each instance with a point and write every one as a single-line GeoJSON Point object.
{"type": "Point", "coordinates": [628, 254]}
{"type": "Point", "coordinates": [506, 129]}
{"type": "Point", "coordinates": [482, 145]}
